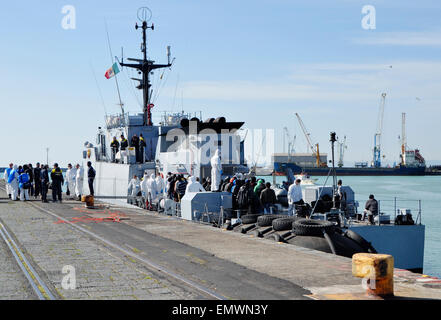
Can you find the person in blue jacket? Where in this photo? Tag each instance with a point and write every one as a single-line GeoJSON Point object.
{"type": "Point", "coordinates": [6, 177]}
{"type": "Point", "coordinates": [24, 184]}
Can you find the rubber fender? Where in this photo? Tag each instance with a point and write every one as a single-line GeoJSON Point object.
{"type": "Point", "coordinates": [286, 234]}
{"type": "Point", "coordinates": [310, 227]}
{"type": "Point", "coordinates": [249, 218]}
{"type": "Point", "coordinates": [234, 225]}
{"type": "Point", "coordinates": [331, 244]}
{"type": "Point", "coordinates": [283, 224]}
{"type": "Point", "coordinates": [265, 231]}
{"type": "Point", "coordinates": [362, 242]}
{"type": "Point", "coordinates": [247, 228]}
{"type": "Point", "coordinates": [185, 123]}
{"type": "Point", "coordinates": [267, 219]}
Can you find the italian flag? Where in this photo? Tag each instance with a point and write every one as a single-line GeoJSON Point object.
{"type": "Point", "coordinates": [114, 70]}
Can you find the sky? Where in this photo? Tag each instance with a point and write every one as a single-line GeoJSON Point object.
{"type": "Point", "coordinates": [254, 61]}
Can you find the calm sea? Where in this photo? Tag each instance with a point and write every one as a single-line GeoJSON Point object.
{"type": "Point", "coordinates": [407, 190]}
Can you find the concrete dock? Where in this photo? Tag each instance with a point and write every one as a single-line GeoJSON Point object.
{"type": "Point", "coordinates": [129, 253]}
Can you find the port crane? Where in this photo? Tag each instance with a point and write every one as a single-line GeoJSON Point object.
{"type": "Point", "coordinates": [377, 137]}
{"type": "Point", "coordinates": [291, 142]}
{"type": "Point", "coordinates": [341, 147]}
{"type": "Point", "coordinates": [403, 138]}
{"type": "Point", "coordinates": [314, 147]}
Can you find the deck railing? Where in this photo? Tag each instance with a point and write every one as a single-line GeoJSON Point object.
{"type": "Point", "coordinates": [393, 208]}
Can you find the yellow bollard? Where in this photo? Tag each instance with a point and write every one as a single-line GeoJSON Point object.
{"type": "Point", "coordinates": [377, 271]}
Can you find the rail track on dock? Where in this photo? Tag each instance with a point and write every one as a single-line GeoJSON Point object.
{"type": "Point", "coordinates": [38, 285]}
{"type": "Point", "coordinates": [205, 291]}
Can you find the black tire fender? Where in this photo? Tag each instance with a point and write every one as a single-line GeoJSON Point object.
{"type": "Point", "coordinates": [282, 224]}
{"type": "Point", "coordinates": [362, 242]}
{"type": "Point", "coordinates": [249, 218]}
{"type": "Point", "coordinates": [310, 227]}
{"type": "Point", "coordinates": [267, 219]}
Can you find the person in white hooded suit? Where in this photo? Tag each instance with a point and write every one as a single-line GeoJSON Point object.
{"type": "Point", "coordinates": [71, 174]}
{"type": "Point", "coordinates": [79, 176]}
{"type": "Point", "coordinates": [134, 186]}
{"type": "Point", "coordinates": [194, 185]}
{"type": "Point", "coordinates": [144, 187]}
{"type": "Point", "coordinates": [13, 183]}
{"type": "Point", "coordinates": [160, 184]}
{"type": "Point", "coordinates": [216, 168]}
{"type": "Point", "coordinates": [153, 188]}
{"type": "Point", "coordinates": [149, 188]}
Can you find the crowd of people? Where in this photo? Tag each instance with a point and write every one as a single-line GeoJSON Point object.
{"type": "Point", "coordinates": [250, 195]}
{"type": "Point", "coordinates": [25, 181]}
{"type": "Point", "coordinates": [119, 148]}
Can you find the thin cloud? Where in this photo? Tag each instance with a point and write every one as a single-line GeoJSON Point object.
{"type": "Point", "coordinates": [401, 39]}
{"type": "Point", "coordinates": [336, 82]}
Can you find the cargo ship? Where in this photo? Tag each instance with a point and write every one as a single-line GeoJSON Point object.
{"type": "Point", "coordinates": [400, 170]}
{"type": "Point", "coordinates": [412, 164]}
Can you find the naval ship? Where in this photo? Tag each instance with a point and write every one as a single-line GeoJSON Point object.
{"type": "Point", "coordinates": [180, 143]}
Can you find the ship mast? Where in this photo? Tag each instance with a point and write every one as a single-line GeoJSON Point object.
{"type": "Point", "coordinates": [145, 66]}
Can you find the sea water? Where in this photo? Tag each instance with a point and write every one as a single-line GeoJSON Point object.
{"type": "Point", "coordinates": [407, 190]}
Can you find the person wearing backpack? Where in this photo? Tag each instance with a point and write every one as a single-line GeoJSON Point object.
{"type": "Point", "coordinates": [246, 198]}
{"type": "Point", "coordinates": [24, 183]}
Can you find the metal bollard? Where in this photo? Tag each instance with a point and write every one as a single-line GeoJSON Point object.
{"type": "Point", "coordinates": [89, 200]}
{"type": "Point", "coordinates": [377, 271]}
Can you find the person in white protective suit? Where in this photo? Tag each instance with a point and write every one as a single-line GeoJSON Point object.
{"type": "Point", "coordinates": [134, 186]}
{"type": "Point", "coordinates": [294, 196]}
{"type": "Point", "coordinates": [71, 174]}
{"type": "Point", "coordinates": [153, 188]}
{"type": "Point", "coordinates": [13, 183]}
{"type": "Point", "coordinates": [194, 185]}
{"type": "Point", "coordinates": [216, 169]}
{"type": "Point", "coordinates": [160, 184]}
{"type": "Point", "coordinates": [6, 177]}
{"type": "Point", "coordinates": [144, 187]}
{"type": "Point", "coordinates": [79, 176]}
